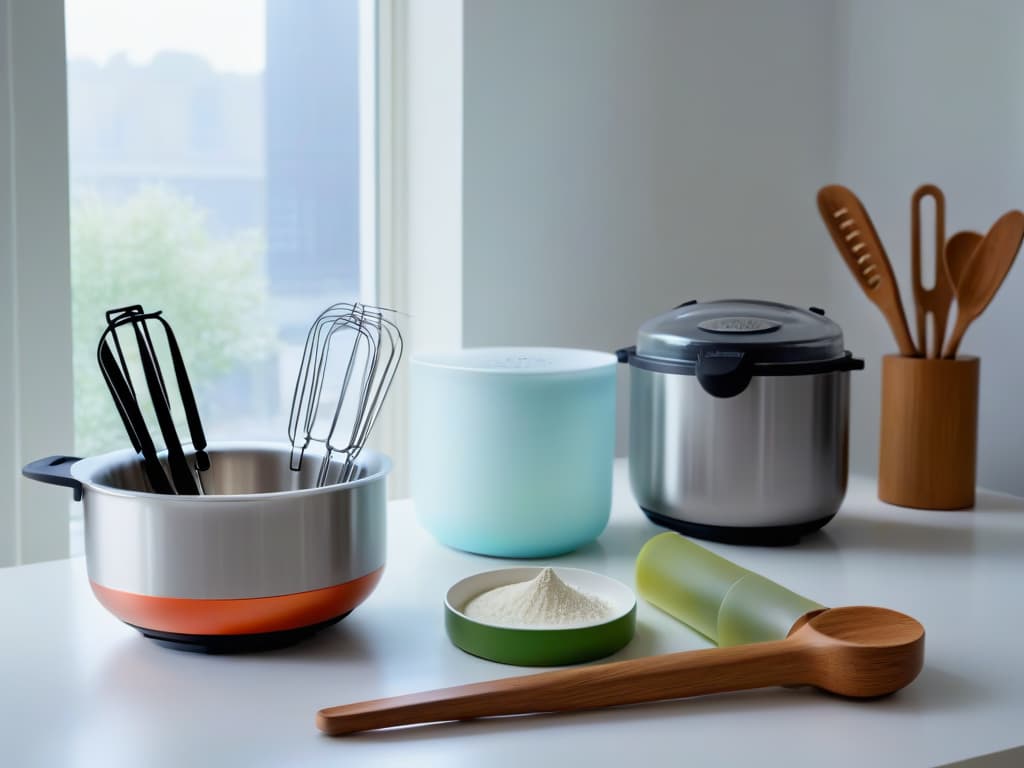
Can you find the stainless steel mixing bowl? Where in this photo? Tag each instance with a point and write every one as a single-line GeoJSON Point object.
{"type": "Point", "coordinates": [263, 558]}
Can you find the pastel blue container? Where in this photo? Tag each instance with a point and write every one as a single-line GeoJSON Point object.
{"type": "Point", "coordinates": [512, 448]}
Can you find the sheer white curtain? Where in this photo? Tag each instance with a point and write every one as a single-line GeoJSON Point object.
{"type": "Point", "coordinates": [35, 298]}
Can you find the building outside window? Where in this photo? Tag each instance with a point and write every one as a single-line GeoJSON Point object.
{"type": "Point", "coordinates": [215, 153]}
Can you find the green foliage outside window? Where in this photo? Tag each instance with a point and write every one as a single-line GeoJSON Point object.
{"type": "Point", "coordinates": [155, 249]}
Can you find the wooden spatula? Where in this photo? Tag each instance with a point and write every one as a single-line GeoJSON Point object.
{"type": "Point", "coordinates": [984, 273]}
{"type": "Point", "coordinates": [934, 301]}
{"type": "Point", "coordinates": [858, 652]}
{"type": "Point", "coordinates": [861, 249]}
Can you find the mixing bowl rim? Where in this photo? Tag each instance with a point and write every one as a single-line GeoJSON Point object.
{"type": "Point", "coordinates": [85, 471]}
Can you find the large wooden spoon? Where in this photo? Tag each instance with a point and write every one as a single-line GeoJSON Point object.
{"type": "Point", "coordinates": [959, 249]}
{"type": "Point", "coordinates": [858, 651]}
{"type": "Point", "coordinates": [984, 273]}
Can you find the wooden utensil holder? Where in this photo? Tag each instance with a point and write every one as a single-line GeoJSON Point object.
{"type": "Point", "coordinates": [929, 433]}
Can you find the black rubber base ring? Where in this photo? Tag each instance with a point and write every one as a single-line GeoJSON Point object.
{"type": "Point", "coordinates": [223, 644]}
{"type": "Point", "coordinates": [766, 536]}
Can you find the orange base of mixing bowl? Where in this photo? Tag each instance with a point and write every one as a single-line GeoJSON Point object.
{"type": "Point", "coordinates": [251, 616]}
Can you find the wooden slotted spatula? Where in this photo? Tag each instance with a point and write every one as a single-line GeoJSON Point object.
{"type": "Point", "coordinates": [858, 651]}
{"type": "Point", "coordinates": [861, 249]}
{"type": "Point", "coordinates": [984, 273]}
{"type": "Point", "coordinates": [934, 301]}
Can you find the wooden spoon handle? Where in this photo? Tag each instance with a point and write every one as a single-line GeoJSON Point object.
{"type": "Point", "coordinates": [670, 676]}
{"type": "Point", "coordinates": [893, 313]}
{"type": "Point", "coordinates": [959, 329]}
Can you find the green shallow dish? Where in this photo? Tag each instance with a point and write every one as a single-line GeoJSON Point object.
{"type": "Point", "coordinates": [544, 647]}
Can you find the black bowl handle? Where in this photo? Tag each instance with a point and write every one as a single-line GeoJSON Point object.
{"type": "Point", "coordinates": [55, 470]}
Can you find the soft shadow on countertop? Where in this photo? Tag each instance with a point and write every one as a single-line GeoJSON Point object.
{"type": "Point", "coordinates": [942, 532]}
{"type": "Point", "coordinates": [849, 532]}
{"type": "Point", "coordinates": [643, 644]}
{"type": "Point", "coordinates": [340, 642]}
{"type": "Point", "coordinates": [624, 537]}
{"type": "Point", "coordinates": [990, 501]}
{"type": "Point", "coordinates": [937, 689]}
{"type": "Point", "coordinates": [732, 704]}
{"type": "Point", "coordinates": [139, 656]}
{"type": "Point", "coordinates": [934, 690]}
{"type": "Point", "coordinates": [927, 532]}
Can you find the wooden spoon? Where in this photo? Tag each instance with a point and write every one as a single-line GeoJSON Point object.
{"type": "Point", "coordinates": [959, 250]}
{"type": "Point", "coordinates": [984, 273]}
{"type": "Point", "coordinates": [861, 249]}
{"type": "Point", "coordinates": [932, 301]}
{"type": "Point", "coordinates": [858, 651]}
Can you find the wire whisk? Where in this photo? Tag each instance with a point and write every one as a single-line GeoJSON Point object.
{"type": "Point", "coordinates": [185, 478]}
{"type": "Point", "coordinates": [352, 349]}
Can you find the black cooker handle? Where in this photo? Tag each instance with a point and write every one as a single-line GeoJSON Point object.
{"type": "Point", "coordinates": [55, 470]}
{"type": "Point", "coordinates": [851, 363]}
{"type": "Point", "coordinates": [724, 374]}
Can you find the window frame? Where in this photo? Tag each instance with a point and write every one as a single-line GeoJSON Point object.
{"type": "Point", "coordinates": [36, 391]}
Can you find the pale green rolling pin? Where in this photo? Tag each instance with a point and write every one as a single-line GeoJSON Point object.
{"type": "Point", "coordinates": [724, 602]}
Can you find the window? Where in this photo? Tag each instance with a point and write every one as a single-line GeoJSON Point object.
{"type": "Point", "coordinates": [220, 159]}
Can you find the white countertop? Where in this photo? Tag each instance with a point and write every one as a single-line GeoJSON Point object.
{"type": "Point", "coordinates": [78, 688]}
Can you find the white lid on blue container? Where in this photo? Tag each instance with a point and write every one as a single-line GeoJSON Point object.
{"type": "Point", "coordinates": [519, 360]}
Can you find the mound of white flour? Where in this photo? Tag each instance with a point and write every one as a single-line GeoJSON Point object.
{"type": "Point", "coordinates": [544, 601]}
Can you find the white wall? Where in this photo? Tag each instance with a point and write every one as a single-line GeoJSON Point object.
{"type": "Point", "coordinates": [930, 90]}
{"type": "Point", "coordinates": [621, 157]}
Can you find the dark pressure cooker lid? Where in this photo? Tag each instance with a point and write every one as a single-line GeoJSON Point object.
{"type": "Point", "coordinates": [724, 343]}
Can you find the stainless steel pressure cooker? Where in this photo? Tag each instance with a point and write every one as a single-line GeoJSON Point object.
{"type": "Point", "coordinates": [739, 420]}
